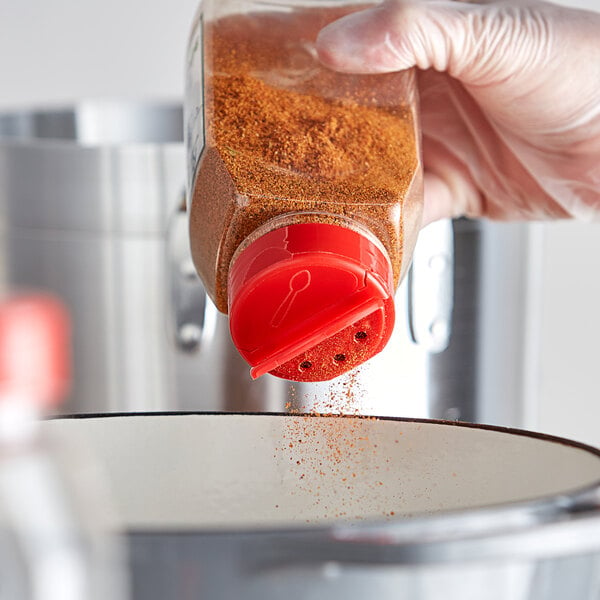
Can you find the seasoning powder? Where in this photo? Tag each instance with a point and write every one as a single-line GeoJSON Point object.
{"type": "Point", "coordinates": [285, 135]}
{"type": "Point", "coordinates": [333, 456]}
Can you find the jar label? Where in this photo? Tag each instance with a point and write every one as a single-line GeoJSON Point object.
{"type": "Point", "coordinates": [193, 104]}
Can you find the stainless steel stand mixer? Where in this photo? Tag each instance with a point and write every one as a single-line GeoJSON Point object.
{"type": "Point", "coordinates": [93, 208]}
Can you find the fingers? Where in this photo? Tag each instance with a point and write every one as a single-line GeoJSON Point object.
{"type": "Point", "coordinates": [361, 43]}
{"type": "Point", "coordinates": [478, 44]}
{"type": "Point", "coordinates": [438, 201]}
{"type": "Point", "coordinates": [449, 191]}
{"type": "Point", "coordinates": [394, 36]}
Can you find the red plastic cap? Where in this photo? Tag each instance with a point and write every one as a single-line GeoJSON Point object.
{"type": "Point", "coordinates": [310, 301]}
{"type": "Point", "coordinates": [34, 350]}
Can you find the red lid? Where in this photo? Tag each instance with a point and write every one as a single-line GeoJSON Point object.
{"type": "Point", "coordinates": [310, 301]}
{"type": "Point", "coordinates": [34, 350]}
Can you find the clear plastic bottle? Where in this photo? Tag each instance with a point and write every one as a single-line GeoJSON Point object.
{"type": "Point", "coordinates": [56, 534]}
{"type": "Point", "coordinates": [305, 187]}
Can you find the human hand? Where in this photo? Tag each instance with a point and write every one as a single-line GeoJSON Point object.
{"type": "Point", "coordinates": [510, 101]}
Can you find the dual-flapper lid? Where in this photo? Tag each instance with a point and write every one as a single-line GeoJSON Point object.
{"type": "Point", "coordinates": [310, 301]}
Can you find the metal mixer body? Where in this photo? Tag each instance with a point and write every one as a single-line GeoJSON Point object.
{"type": "Point", "coordinates": [92, 208]}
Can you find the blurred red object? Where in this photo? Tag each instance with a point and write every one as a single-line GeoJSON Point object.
{"type": "Point", "coordinates": [34, 350]}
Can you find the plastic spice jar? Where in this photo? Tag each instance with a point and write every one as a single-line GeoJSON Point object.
{"type": "Point", "coordinates": [305, 187]}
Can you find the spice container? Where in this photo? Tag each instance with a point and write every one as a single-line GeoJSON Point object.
{"type": "Point", "coordinates": [305, 187]}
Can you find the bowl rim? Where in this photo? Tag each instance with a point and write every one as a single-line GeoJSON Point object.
{"type": "Point", "coordinates": [563, 525]}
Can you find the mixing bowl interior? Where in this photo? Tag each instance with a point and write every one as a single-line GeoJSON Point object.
{"type": "Point", "coordinates": [245, 471]}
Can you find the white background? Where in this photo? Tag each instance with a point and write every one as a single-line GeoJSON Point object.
{"type": "Point", "coordinates": [58, 51]}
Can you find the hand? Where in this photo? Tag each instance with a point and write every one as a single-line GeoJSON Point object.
{"type": "Point", "coordinates": [510, 101]}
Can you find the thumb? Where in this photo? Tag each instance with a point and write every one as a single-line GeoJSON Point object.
{"type": "Point", "coordinates": [476, 43]}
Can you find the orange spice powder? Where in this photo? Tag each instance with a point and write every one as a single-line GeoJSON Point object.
{"type": "Point", "coordinates": [285, 135]}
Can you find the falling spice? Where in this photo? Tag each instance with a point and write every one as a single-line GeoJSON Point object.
{"type": "Point", "coordinates": [334, 454]}
{"type": "Point", "coordinates": [285, 135]}
{"type": "Point", "coordinates": [337, 468]}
